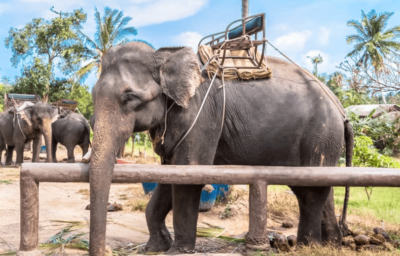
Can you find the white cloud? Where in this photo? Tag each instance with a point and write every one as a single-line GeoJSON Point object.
{"type": "Point", "coordinates": [323, 36]}
{"type": "Point", "coordinates": [189, 39]}
{"type": "Point", "coordinates": [325, 66]}
{"type": "Point", "coordinates": [159, 11]}
{"type": "Point", "coordinates": [294, 41]}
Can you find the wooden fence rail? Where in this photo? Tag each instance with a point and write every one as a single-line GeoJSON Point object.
{"type": "Point", "coordinates": [257, 176]}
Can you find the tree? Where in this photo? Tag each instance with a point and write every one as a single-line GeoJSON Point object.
{"type": "Point", "coordinates": [372, 41]}
{"type": "Point", "coordinates": [315, 61]}
{"type": "Point", "coordinates": [47, 43]}
{"type": "Point", "coordinates": [111, 31]}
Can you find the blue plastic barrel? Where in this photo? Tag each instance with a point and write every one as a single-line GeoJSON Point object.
{"type": "Point", "coordinates": [43, 149]}
{"type": "Point", "coordinates": [207, 199]}
{"type": "Point", "coordinates": [149, 187]}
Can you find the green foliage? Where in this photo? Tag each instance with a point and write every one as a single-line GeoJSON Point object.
{"type": "Point", "coordinates": [384, 130]}
{"type": "Point", "coordinates": [41, 42]}
{"type": "Point", "coordinates": [372, 41]}
{"type": "Point", "coordinates": [366, 155]}
{"type": "Point", "coordinates": [3, 90]}
{"type": "Point", "coordinates": [111, 31]}
{"type": "Point", "coordinates": [81, 94]}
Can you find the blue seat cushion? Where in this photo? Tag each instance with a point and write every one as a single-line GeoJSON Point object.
{"type": "Point", "coordinates": [250, 25]}
{"type": "Point", "coordinates": [21, 96]}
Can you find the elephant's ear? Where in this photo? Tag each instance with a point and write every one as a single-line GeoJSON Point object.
{"type": "Point", "coordinates": [179, 74]}
{"type": "Point", "coordinates": [26, 115]}
{"type": "Point", "coordinates": [55, 114]}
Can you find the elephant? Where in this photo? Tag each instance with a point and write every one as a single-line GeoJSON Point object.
{"type": "Point", "coordinates": [71, 129]}
{"type": "Point", "coordinates": [24, 124]}
{"type": "Point", "coordinates": [121, 149]}
{"type": "Point", "coordinates": [285, 120]}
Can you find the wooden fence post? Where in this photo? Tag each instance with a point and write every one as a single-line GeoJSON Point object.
{"type": "Point", "coordinates": [257, 238]}
{"type": "Point", "coordinates": [29, 244]}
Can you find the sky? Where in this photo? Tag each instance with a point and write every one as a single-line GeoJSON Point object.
{"type": "Point", "coordinates": [298, 28]}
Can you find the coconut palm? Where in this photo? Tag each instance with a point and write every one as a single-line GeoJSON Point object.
{"type": "Point", "coordinates": [112, 30]}
{"type": "Point", "coordinates": [315, 61]}
{"type": "Point", "coordinates": [372, 41]}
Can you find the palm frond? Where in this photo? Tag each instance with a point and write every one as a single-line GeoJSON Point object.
{"type": "Point", "coordinates": [87, 40]}
{"type": "Point", "coordinates": [84, 72]}
{"type": "Point", "coordinates": [355, 38]}
{"type": "Point", "coordinates": [358, 26]}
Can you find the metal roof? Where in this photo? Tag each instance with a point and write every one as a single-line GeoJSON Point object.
{"type": "Point", "coordinates": [365, 110]}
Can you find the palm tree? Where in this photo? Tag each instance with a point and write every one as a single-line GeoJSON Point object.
{"type": "Point", "coordinates": [315, 61]}
{"type": "Point", "coordinates": [111, 31]}
{"type": "Point", "coordinates": [372, 41]}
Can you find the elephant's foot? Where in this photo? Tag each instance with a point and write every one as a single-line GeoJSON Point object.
{"type": "Point", "coordinates": [174, 250]}
{"type": "Point", "coordinates": [160, 242]}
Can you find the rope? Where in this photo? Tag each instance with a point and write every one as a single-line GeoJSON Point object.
{"type": "Point", "coordinates": [16, 116]}
{"type": "Point", "coordinates": [198, 113]}
{"type": "Point", "coordinates": [313, 77]}
{"type": "Point", "coordinates": [165, 120]}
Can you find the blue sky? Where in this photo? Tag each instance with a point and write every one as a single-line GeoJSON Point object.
{"type": "Point", "coordinates": [298, 28]}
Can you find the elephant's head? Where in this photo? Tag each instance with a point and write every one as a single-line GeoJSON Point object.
{"type": "Point", "coordinates": [39, 117]}
{"type": "Point", "coordinates": [130, 96]}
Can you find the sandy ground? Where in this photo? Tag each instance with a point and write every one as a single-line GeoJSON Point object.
{"type": "Point", "coordinates": [67, 202]}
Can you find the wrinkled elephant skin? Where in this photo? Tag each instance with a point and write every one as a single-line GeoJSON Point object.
{"type": "Point", "coordinates": [286, 120]}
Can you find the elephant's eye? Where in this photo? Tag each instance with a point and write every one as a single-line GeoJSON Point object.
{"type": "Point", "coordinates": [130, 100]}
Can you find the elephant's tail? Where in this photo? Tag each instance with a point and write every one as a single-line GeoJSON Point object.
{"type": "Point", "coordinates": [349, 140]}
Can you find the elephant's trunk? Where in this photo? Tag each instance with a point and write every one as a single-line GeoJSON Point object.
{"type": "Point", "coordinates": [47, 134]}
{"type": "Point", "coordinates": [105, 145]}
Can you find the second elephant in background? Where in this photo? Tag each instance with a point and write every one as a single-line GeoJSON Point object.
{"type": "Point", "coordinates": [70, 130]}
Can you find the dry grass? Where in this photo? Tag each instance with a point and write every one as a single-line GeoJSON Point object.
{"type": "Point", "coordinates": [84, 191]}
{"type": "Point", "coordinates": [138, 204]}
{"type": "Point", "coordinates": [315, 250]}
{"type": "Point", "coordinates": [281, 204]}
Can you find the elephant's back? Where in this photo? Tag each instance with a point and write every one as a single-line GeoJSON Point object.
{"type": "Point", "coordinates": [280, 121]}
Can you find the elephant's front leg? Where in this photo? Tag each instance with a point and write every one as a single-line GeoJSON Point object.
{"type": "Point", "coordinates": [19, 147]}
{"type": "Point", "coordinates": [159, 206]}
{"type": "Point", "coordinates": [186, 200]}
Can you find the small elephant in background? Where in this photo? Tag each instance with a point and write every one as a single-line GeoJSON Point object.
{"type": "Point", "coordinates": [69, 130]}
{"type": "Point", "coordinates": [24, 124]}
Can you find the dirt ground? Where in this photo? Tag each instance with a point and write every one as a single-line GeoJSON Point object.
{"type": "Point", "coordinates": [64, 203]}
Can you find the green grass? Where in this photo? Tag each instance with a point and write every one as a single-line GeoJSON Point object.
{"type": "Point", "coordinates": [384, 203]}
{"type": "Point", "coordinates": [8, 182]}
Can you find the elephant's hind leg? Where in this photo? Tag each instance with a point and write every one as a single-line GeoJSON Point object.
{"type": "Point", "coordinates": [329, 227]}
{"type": "Point", "coordinates": [10, 151]}
{"type": "Point", "coordinates": [311, 203]}
{"type": "Point", "coordinates": [70, 150]}
{"type": "Point", "coordinates": [159, 206]}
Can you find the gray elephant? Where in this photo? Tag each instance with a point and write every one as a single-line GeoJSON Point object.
{"type": "Point", "coordinates": [24, 124]}
{"type": "Point", "coordinates": [286, 120]}
{"type": "Point", "coordinates": [70, 130]}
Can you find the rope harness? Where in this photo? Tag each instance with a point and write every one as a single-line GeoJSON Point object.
{"type": "Point", "coordinates": [16, 117]}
